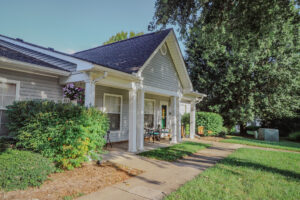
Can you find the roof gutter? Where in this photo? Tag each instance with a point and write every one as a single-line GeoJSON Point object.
{"type": "Point", "coordinates": [33, 67]}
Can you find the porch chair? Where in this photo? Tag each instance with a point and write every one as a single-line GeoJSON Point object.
{"type": "Point", "coordinates": [156, 134]}
{"type": "Point", "coordinates": [108, 139]}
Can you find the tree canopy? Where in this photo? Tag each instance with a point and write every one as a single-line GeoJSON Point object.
{"type": "Point", "coordinates": [243, 54]}
{"type": "Point", "coordinates": [122, 36]}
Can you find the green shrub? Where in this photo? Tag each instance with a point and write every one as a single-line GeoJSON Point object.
{"type": "Point", "coordinates": [21, 169]}
{"type": "Point", "coordinates": [252, 128]}
{"type": "Point", "coordinates": [185, 119]}
{"type": "Point", "coordinates": [295, 136]}
{"type": "Point", "coordinates": [65, 133]}
{"type": "Point", "coordinates": [212, 122]}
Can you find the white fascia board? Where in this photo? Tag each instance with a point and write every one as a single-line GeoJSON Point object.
{"type": "Point", "coordinates": [116, 73]}
{"type": "Point", "coordinates": [181, 60]}
{"type": "Point", "coordinates": [109, 80]}
{"type": "Point", "coordinates": [115, 84]}
{"type": "Point", "coordinates": [194, 94]}
{"type": "Point", "coordinates": [81, 64]}
{"type": "Point", "coordinates": [31, 68]}
{"type": "Point", "coordinates": [75, 77]}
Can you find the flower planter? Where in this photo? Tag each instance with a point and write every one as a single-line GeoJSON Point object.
{"type": "Point", "coordinates": [74, 102]}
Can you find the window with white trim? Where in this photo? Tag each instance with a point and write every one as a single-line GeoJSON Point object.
{"type": "Point", "coordinates": [113, 108]}
{"type": "Point", "coordinates": [149, 113]}
{"type": "Point", "coordinates": [8, 94]}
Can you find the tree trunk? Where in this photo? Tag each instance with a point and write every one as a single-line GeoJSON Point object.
{"type": "Point", "coordinates": [243, 129]}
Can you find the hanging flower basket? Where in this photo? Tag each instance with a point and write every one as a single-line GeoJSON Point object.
{"type": "Point", "coordinates": [75, 94]}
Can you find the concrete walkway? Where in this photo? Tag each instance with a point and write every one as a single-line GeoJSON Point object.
{"type": "Point", "coordinates": [160, 178]}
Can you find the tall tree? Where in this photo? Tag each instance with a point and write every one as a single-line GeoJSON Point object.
{"type": "Point", "coordinates": [243, 54]}
{"type": "Point", "coordinates": [122, 36]}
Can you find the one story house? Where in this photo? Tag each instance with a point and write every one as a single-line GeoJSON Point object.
{"type": "Point", "coordinates": [139, 82]}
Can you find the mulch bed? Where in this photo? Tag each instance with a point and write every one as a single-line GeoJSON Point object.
{"type": "Point", "coordinates": [80, 181]}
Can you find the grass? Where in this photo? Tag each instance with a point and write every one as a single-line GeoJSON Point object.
{"type": "Point", "coordinates": [22, 169]}
{"type": "Point", "coordinates": [286, 145]}
{"type": "Point", "coordinates": [71, 197]}
{"type": "Point", "coordinates": [246, 174]}
{"type": "Point", "coordinates": [174, 152]}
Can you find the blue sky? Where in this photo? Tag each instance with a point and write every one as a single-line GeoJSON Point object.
{"type": "Point", "coordinates": [73, 25]}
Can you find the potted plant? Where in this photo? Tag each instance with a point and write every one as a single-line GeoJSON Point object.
{"type": "Point", "coordinates": [75, 94]}
{"type": "Point", "coordinates": [187, 130]}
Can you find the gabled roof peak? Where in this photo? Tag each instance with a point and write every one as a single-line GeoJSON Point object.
{"type": "Point", "coordinates": [126, 55]}
{"type": "Point", "coordinates": [132, 38]}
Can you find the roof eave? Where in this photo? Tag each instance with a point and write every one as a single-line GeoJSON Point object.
{"type": "Point", "coordinates": [96, 67]}
{"type": "Point", "coordinates": [34, 67]}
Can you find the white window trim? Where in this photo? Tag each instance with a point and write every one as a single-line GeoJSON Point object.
{"type": "Point", "coordinates": [4, 80]}
{"type": "Point", "coordinates": [154, 106]}
{"type": "Point", "coordinates": [121, 109]}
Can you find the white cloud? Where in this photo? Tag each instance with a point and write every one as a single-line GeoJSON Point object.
{"type": "Point", "coordinates": [70, 51]}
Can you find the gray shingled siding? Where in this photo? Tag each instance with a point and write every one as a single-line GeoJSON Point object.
{"type": "Point", "coordinates": [49, 59]}
{"type": "Point", "coordinates": [34, 87]}
{"type": "Point", "coordinates": [161, 73]}
{"type": "Point", "coordinates": [100, 90]}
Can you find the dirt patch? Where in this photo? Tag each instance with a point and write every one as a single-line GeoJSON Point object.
{"type": "Point", "coordinates": [77, 182]}
{"type": "Point", "coordinates": [210, 138]}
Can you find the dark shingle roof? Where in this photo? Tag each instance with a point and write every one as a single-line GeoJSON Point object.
{"type": "Point", "coordinates": [15, 55]}
{"type": "Point", "coordinates": [126, 55]}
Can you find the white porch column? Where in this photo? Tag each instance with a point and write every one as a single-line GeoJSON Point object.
{"type": "Point", "coordinates": [140, 120]}
{"type": "Point", "coordinates": [174, 119]}
{"type": "Point", "coordinates": [193, 120]}
{"type": "Point", "coordinates": [89, 100]}
{"type": "Point", "coordinates": [132, 121]}
{"type": "Point", "coordinates": [178, 120]}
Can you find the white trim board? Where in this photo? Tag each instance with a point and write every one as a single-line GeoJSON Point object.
{"type": "Point", "coordinates": [5, 80]}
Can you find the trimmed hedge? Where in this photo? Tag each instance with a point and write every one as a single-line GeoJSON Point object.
{"type": "Point", "coordinates": [65, 133]}
{"type": "Point", "coordinates": [22, 169]}
{"type": "Point", "coordinates": [185, 119]}
{"type": "Point", "coordinates": [295, 136]}
{"type": "Point", "coordinates": [212, 122]}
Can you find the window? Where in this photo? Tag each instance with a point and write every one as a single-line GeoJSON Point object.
{"type": "Point", "coordinates": [149, 113]}
{"type": "Point", "coordinates": [9, 92]}
{"type": "Point", "coordinates": [113, 108]}
{"type": "Point", "coordinates": [163, 49]}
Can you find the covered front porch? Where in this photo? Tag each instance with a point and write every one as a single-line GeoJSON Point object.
{"type": "Point", "coordinates": [132, 107]}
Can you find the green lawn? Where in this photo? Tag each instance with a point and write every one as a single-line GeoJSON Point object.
{"type": "Point", "coordinates": [287, 145]}
{"type": "Point", "coordinates": [246, 174]}
{"type": "Point", "coordinates": [174, 152]}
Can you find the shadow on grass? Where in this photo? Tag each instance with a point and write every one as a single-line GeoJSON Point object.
{"type": "Point", "coordinates": [256, 166]}
{"type": "Point", "coordinates": [166, 154]}
{"type": "Point", "coordinates": [249, 141]}
{"type": "Point", "coordinates": [174, 152]}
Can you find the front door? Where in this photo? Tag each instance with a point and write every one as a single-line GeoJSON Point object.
{"type": "Point", "coordinates": [164, 116]}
